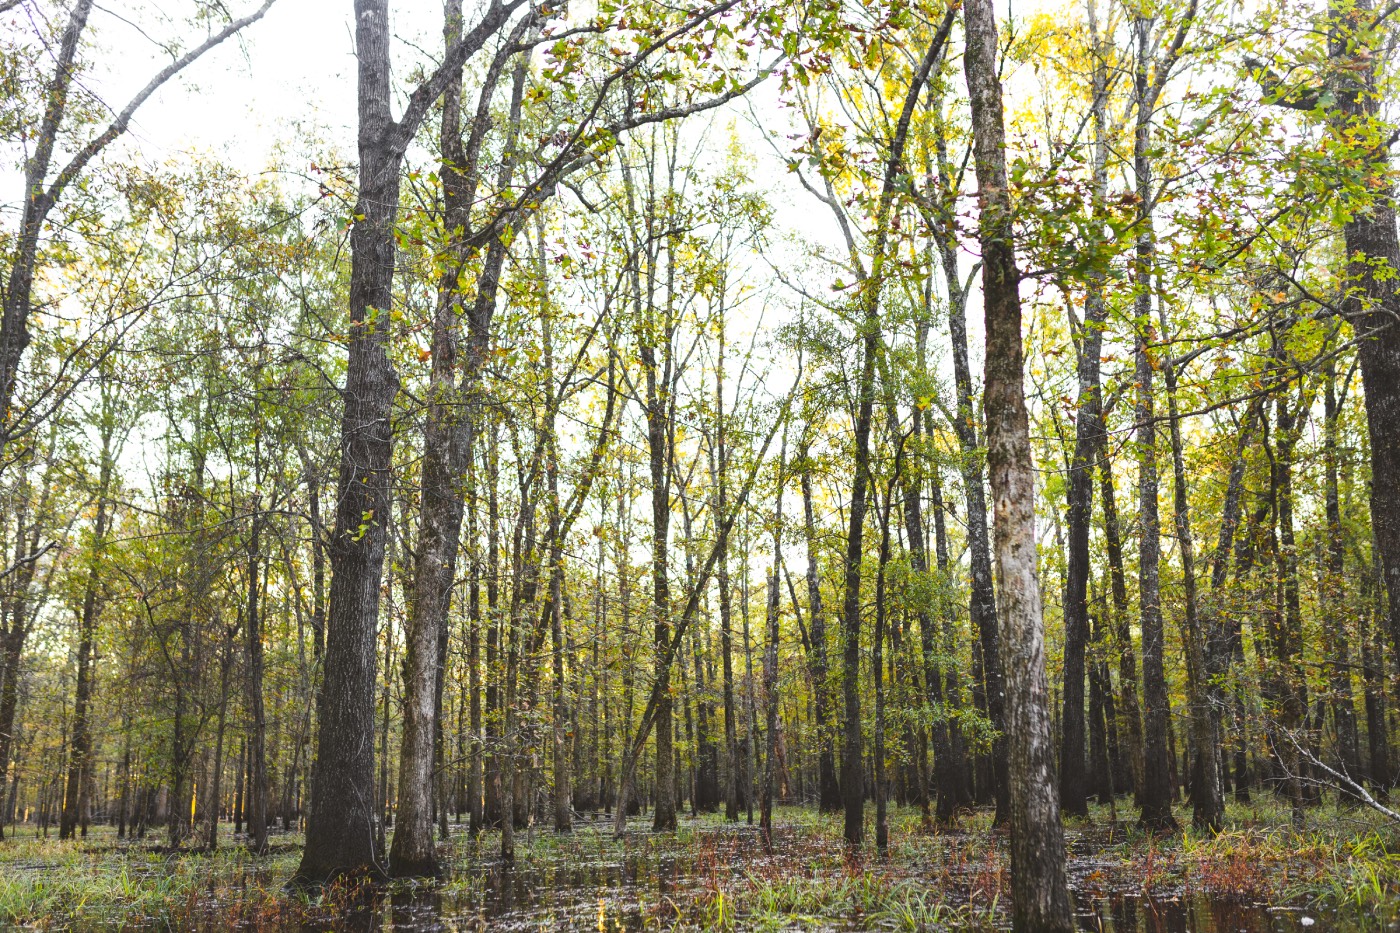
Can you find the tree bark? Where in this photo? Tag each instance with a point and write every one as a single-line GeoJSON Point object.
{"type": "Point", "coordinates": [340, 826]}
{"type": "Point", "coordinates": [75, 802]}
{"type": "Point", "coordinates": [1334, 593]}
{"type": "Point", "coordinates": [770, 658]}
{"type": "Point", "coordinates": [852, 765]}
{"type": "Point", "coordinates": [1088, 436]}
{"type": "Point", "coordinates": [1155, 792]}
{"type": "Point", "coordinates": [1373, 257]}
{"type": "Point", "coordinates": [1372, 671]}
{"type": "Point", "coordinates": [1040, 897]}
{"type": "Point", "coordinates": [982, 603]}
{"type": "Point", "coordinates": [828, 789]}
{"type": "Point", "coordinates": [950, 774]}
{"type": "Point", "coordinates": [1207, 796]}
{"type": "Point", "coordinates": [877, 663]}
{"type": "Point", "coordinates": [1287, 627]}
{"type": "Point", "coordinates": [719, 470]}
{"type": "Point", "coordinates": [340, 833]}
{"type": "Point", "coordinates": [257, 789]}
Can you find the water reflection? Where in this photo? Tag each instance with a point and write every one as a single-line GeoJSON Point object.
{"type": "Point", "coordinates": [580, 888]}
{"type": "Point", "coordinates": [638, 893]}
{"type": "Point", "coordinates": [1205, 914]}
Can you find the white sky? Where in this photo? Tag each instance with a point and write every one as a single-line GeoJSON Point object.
{"type": "Point", "coordinates": [293, 68]}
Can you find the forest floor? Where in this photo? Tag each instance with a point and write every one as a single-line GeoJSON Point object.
{"type": "Point", "coordinates": [1341, 873]}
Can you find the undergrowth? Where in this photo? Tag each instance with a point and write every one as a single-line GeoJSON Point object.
{"type": "Point", "coordinates": [717, 876]}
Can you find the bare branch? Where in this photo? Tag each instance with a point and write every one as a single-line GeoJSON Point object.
{"type": "Point", "coordinates": [118, 126]}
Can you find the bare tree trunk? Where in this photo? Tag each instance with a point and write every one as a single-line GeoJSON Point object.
{"type": "Point", "coordinates": [1128, 707]}
{"type": "Point", "coordinates": [474, 672]}
{"type": "Point", "coordinates": [750, 682]}
{"type": "Point", "coordinates": [1088, 436]}
{"type": "Point", "coordinates": [257, 790]}
{"type": "Point", "coordinates": [340, 832]}
{"type": "Point", "coordinates": [853, 769]}
{"type": "Point", "coordinates": [383, 807]}
{"type": "Point", "coordinates": [1207, 796]}
{"type": "Point", "coordinates": [340, 826]}
{"type": "Point", "coordinates": [1372, 670]}
{"type": "Point", "coordinates": [17, 602]}
{"type": "Point", "coordinates": [659, 387]}
{"type": "Point", "coordinates": [1040, 897]}
{"type": "Point", "coordinates": [982, 604]}
{"type": "Point", "coordinates": [877, 660]}
{"type": "Point", "coordinates": [1102, 750]}
{"type": "Point", "coordinates": [1155, 793]}
{"type": "Point", "coordinates": [852, 763]}
{"type": "Point", "coordinates": [949, 774]}
{"type": "Point", "coordinates": [1287, 633]}
{"type": "Point", "coordinates": [770, 655]}
{"type": "Point", "coordinates": [719, 480]}
{"type": "Point", "coordinates": [1373, 256]}
{"type": "Point", "coordinates": [449, 422]}
{"type": "Point", "coordinates": [828, 789]}
{"type": "Point", "coordinates": [80, 750]}
{"type": "Point", "coordinates": [658, 434]}
{"type": "Point", "coordinates": [215, 802]}
{"type": "Point", "coordinates": [563, 781]}
{"type": "Point", "coordinates": [1220, 654]}
{"type": "Point", "coordinates": [1334, 593]}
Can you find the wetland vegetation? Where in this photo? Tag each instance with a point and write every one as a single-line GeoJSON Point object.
{"type": "Point", "coordinates": [1258, 878]}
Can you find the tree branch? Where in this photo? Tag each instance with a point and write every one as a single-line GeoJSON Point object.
{"type": "Point", "coordinates": [432, 88]}
{"type": "Point", "coordinates": [119, 125]}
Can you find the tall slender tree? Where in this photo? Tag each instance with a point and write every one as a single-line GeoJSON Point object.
{"type": "Point", "coordinates": [1040, 897]}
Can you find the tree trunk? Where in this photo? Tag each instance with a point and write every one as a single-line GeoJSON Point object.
{"type": "Point", "coordinates": [1372, 671]}
{"type": "Point", "coordinates": [750, 683]}
{"type": "Point", "coordinates": [950, 774]}
{"type": "Point", "coordinates": [474, 672]}
{"type": "Point", "coordinates": [982, 597]}
{"type": "Point", "coordinates": [1088, 436]}
{"type": "Point", "coordinates": [340, 825]}
{"type": "Point", "coordinates": [770, 660]}
{"type": "Point", "coordinates": [719, 480]}
{"type": "Point", "coordinates": [1373, 256]}
{"type": "Point", "coordinates": [1128, 708]}
{"type": "Point", "coordinates": [257, 790]}
{"type": "Point", "coordinates": [1207, 796]}
{"type": "Point", "coordinates": [658, 437]}
{"type": "Point", "coordinates": [877, 660]}
{"type": "Point", "coordinates": [215, 795]}
{"type": "Point", "coordinates": [853, 771]}
{"type": "Point", "coordinates": [828, 789]}
{"type": "Point", "coordinates": [1287, 634]}
{"type": "Point", "coordinates": [852, 764]}
{"type": "Point", "coordinates": [1334, 592]}
{"type": "Point", "coordinates": [1155, 793]}
{"type": "Point", "coordinates": [1040, 897]}
{"type": "Point", "coordinates": [80, 749]}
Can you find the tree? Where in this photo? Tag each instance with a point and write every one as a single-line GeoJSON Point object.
{"type": "Point", "coordinates": [44, 188]}
{"type": "Point", "coordinates": [1040, 898]}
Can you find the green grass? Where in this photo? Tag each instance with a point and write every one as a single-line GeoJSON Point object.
{"type": "Point", "coordinates": [100, 882]}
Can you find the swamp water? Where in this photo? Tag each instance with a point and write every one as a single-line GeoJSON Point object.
{"type": "Point", "coordinates": [617, 900]}
{"type": "Point", "coordinates": [589, 883]}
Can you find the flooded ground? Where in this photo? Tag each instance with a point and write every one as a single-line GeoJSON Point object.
{"type": "Point", "coordinates": [806, 884]}
{"type": "Point", "coordinates": [715, 876]}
